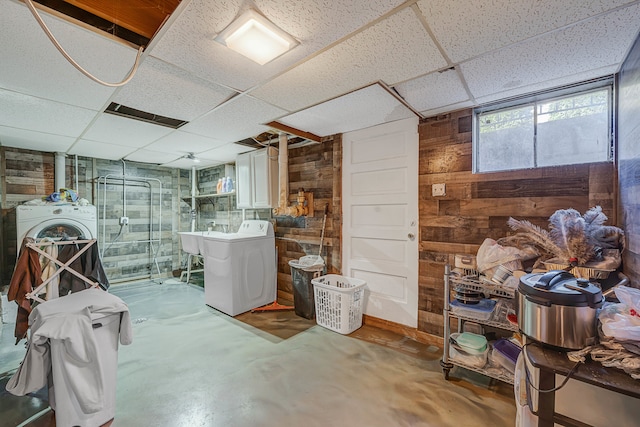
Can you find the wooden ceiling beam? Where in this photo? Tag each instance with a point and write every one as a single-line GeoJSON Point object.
{"type": "Point", "coordinates": [294, 131]}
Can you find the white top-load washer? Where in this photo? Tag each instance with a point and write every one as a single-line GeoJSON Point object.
{"type": "Point", "coordinates": [55, 221]}
{"type": "Point", "coordinates": [240, 268]}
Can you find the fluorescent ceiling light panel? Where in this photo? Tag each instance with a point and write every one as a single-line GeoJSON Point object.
{"type": "Point", "coordinates": [255, 37]}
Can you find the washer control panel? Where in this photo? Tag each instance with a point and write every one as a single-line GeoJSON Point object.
{"type": "Point", "coordinates": [256, 227]}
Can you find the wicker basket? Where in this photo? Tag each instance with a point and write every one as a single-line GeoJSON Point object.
{"type": "Point", "coordinates": [577, 271]}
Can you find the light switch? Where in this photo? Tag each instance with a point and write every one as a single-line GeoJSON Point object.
{"type": "Point", "coordinates": [438, 190]}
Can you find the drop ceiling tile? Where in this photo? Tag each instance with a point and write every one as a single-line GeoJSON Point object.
{"type": "Point", "coordinates": [240, 118]}
{"type": "Point", "coordinates": [395, 49]}
{"type": "Point", "coordinates": [225, 153]}
{"type": "Point", "coordinates": [169, 91]}
{"type": "Point", "coordinates": [433, 90]}
{"type": "Point", "coordinates": [447, 108]}
{"type": "Point", "coordinates": [482, 26]}
{"type": "Point", "coordinates": [32, 65]}
{"type": "Point", "coordinates": [548, 84]}
{"type": "Point", "coordinates": [184, 141]}
{"type": "Point", "coordinates": [361, 109]}
{"type": "Point", "coordinates": [149, 156]}
{"type": "Point", "coordinates": [189, 41]}
{"type": "Point", "coordinates": [123, 131]}
{"type": "Point", "coordinates": [42, 115]}
{"type": "Point", "coordinates": [30, 140]}
{"type": "Point", "coordinates": [600, 43]}
{"type": "Point", "coordinates": [100, 150]}
{"type": "Point", "coordinates": [189, 164]}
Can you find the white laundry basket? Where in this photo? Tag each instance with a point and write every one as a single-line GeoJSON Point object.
{"type": "Point", "coordinates": [339, 302]}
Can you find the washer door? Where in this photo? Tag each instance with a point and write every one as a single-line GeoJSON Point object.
{"type": "Point", "coordinates": [58, 228]}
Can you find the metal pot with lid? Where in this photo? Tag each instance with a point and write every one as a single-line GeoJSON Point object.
{"type": "Point", "coordinates": [558, 309]}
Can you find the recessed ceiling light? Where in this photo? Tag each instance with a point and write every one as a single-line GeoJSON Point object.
{"type": "Point", "coordinates": [255, 37]}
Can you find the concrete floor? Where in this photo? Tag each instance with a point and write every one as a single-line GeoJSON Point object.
{"type": "Point", "coordinates": [190, 365]}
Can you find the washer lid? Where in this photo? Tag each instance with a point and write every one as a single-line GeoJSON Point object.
{"type": "Point", "coordinates": [234, 237]}
{"type": "Point", "coordinates": [560, 287]}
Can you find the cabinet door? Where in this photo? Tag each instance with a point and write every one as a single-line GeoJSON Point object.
{"type": "Point", "coordinates": [244, 181]}
{"type": "Point", "coordinates": [261, 179]}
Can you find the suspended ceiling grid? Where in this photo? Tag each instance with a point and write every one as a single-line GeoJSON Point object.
{"type": "Point", "coordinates": [437, 55]}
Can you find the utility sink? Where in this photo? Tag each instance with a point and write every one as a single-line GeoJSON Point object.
{"type": "Point", "coordinates": [193, 241]}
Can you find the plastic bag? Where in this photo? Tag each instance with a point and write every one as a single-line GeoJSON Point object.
{"type": "Point", "coordinates": [622, 321]}
{"type": "Point", "coordinates": [491, 254]}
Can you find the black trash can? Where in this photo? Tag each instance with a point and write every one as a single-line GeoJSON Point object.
{"type": "Point", "coordinates": [303, 298]}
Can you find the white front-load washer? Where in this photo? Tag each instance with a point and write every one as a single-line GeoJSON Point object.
{"type": "Point", "coordinates": [240, 268]}
{"type": "Point", "coordinates": [56, 221]}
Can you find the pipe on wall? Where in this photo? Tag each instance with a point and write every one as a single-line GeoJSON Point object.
{"type": "Point", "coordinates": [299, 209]}
{"type": "Point", "coordinates": [76, 173]}
{"type": "Point", "coordinates": [193, 198]}
{"type": "Point", "coordinates": [59, 171]}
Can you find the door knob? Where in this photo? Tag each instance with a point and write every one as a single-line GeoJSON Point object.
{"type": "Point", "coordinates": [411, 236]}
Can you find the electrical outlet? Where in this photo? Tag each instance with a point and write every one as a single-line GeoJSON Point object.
{"type": "Point", "coordinates": [438, 190]}
{"type": "Point", "coordinates": [124, 220]}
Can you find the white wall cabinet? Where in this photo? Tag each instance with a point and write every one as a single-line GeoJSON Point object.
{"type": "Point", "coordinates": [257, 179]}
{"type": "Point", "coordinates": [244, 186]}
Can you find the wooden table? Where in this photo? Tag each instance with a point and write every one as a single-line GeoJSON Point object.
{"type": "Point", "coordinates": [552, 362]}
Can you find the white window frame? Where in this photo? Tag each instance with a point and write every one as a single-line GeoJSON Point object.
{"type": "Point", "coordinates": [533, 100]}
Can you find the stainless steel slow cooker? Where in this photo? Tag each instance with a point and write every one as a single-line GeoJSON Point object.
{"type": "Point", "coordinates": [557, 309]}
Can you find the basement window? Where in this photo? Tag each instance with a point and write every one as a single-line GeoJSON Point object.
{"type": "Point", "coordinates": [561, 127]}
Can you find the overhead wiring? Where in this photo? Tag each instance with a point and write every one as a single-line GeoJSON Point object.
{"type": "Point", "coordinates": [64, 53]}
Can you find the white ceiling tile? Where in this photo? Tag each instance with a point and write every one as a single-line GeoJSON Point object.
{"type": "Point", "coordinates": [100, 150]}
{"type": "Point", "coordinates": [118, 130]}
{"type": "Point", "coordinates": [184, 141]}
{"type": "Point", "coordinates": [27, 112]}
{"type": "Point", "coordinates": [317, 24]}
{"type": "Point", "coordinates": [32, 65]}
{"type": "Point", "coordinates": [396, 49]}
{"type": "Point", "coordinates": [482, 26]}
{"type": "Point", "coordinates": [433, 90]}
{"type": "Point", "coordinates": [447, 108]}
{"type": "Point", "coordinates": [26, 139]}
{"type": "Point", "coordinates": [547, 84]}
{"type": "Point", "coordinates": [149, 156]}
{"type": "Point", "coordinates": [189, 164]}
{"type": "Point", "coordinates": [225, 153]}
{"type": "Point", "coordinates": [189, 41]}
{"type": "Point", "coordinates": [601, 42]}
{"type": "Point", "coordinates": [361, 109]}
{"type": "Point", "coordinates": [166, 90]}
{"type": "Point", "coordinates": [240, 118]}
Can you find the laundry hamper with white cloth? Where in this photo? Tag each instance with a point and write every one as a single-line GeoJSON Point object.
{"type": "Point", "coordinates": [75, 337]}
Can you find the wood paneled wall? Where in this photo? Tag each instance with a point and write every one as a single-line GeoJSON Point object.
{"type": "Point", "coordinates": [629, 161]}
{"type": "Point", "coordinates": [477, 206]}
{"type": "Point", "coordinates": [318, 170]}
{"type": "Point", "coordinates": [25, 175]}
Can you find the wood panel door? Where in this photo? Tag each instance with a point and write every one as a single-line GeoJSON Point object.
{"type": "Point", "coordinates": [380, 225]}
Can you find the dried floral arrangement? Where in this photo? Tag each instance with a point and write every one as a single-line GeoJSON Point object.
{"type": "Point", "coordinates": [572, 238]}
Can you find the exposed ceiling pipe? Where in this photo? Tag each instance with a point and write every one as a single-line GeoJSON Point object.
{"type": "Point", "coordinates": [301, 208]}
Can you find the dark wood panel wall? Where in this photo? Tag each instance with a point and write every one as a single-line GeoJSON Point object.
{"type": "Point", "coordinates": [629, 161]}
{"type": "Point", "coordinates": [477, 206]}
{"type": "Point", "coordinates": [318, 170]}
